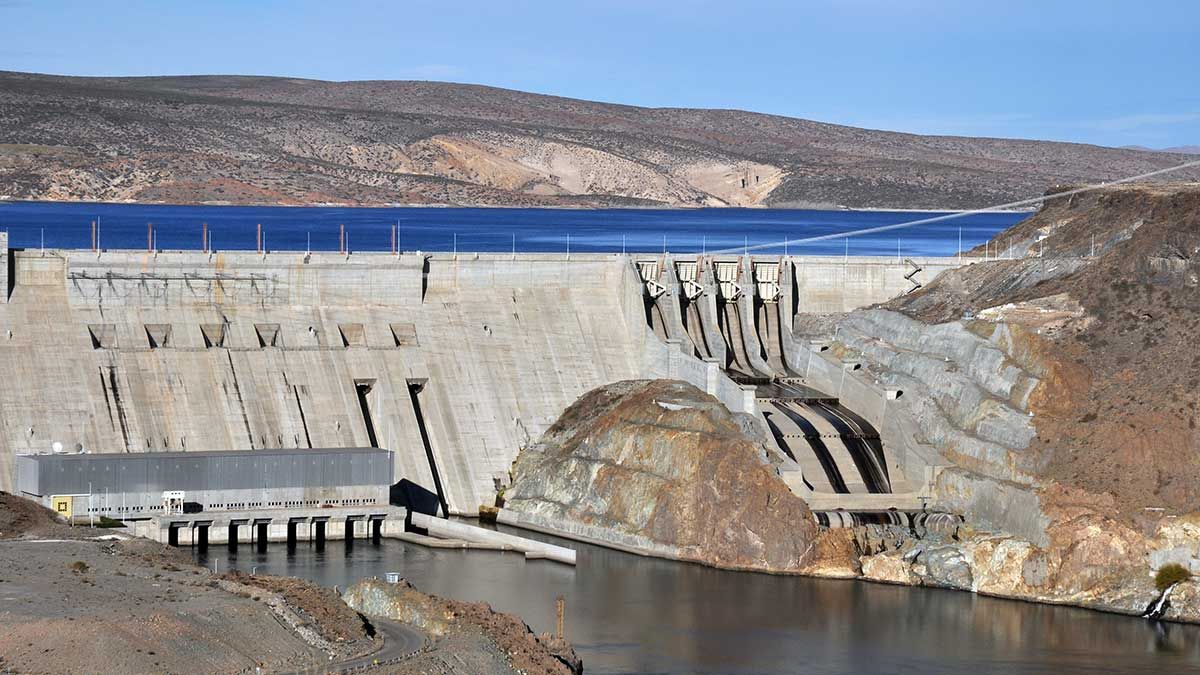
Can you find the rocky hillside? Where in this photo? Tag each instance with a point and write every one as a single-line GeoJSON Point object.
{"type": "Point", "coordinates": [662, 468]}
{"type": "Point", "coordinates": [278, 140]}
{"type": "Point", "coordinates": [1056, 388]}
{"type": "Point", "coordinates": [1107, 281]}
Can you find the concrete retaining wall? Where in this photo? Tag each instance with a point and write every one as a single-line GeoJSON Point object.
{"type": "Point", "coordinates": [838, 284]}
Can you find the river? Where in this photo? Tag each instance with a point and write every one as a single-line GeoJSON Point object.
{"type": "Point", "coordinates": [317, 228]}
{"type": "Point", "coordinates": [629, 614]}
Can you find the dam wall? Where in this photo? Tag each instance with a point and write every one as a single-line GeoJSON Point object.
{"type": "Point", "coordinates": [830, 284]}
{"type": "Point", "coordinates": [454, 362]}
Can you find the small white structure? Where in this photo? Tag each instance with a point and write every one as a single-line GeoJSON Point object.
{"type": "Point", "coordinates": [172, 502]}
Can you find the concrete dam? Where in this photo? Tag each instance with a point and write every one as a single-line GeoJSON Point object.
{"type": "Point", "coordinates": [454, 362]}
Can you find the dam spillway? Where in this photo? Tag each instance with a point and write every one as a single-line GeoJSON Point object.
{"type": "Point", "coordinates": [455, 362]}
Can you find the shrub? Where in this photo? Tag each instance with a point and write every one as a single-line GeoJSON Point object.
{"type": "Point", "coordinates": [1170, 574]}
{"type": "Point", "coordinates": [105, 521]}
{"type": "Point", "coordinates": [79, 567]}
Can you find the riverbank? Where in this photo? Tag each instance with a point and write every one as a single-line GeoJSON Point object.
{"type": "Point", "coordinates": [792, 206]}
{"type": "Point", "coordinates": [74, 597]}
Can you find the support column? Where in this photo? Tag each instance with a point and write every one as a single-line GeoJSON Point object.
{"type": "Point", "coordinates": [6, 275]}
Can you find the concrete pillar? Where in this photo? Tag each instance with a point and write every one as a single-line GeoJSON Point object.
{"type": "Point", "coordinates": [673, 357]}
{"type": "Point", "coordinates": [749, 401]}
{"type": "Point", "coordinates": [5, 266]}
{"type": "Point", "coordinates": [712, 374]}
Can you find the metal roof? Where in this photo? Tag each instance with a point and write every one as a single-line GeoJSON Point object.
{"type": "Point", "coordinates": [193, 454]}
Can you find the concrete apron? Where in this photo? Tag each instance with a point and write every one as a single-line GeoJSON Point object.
{"type": "Point", "coordinates": [452, 529]}
{"type": "Point", "coordinates": [341, 524]}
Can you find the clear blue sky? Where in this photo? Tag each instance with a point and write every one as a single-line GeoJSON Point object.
{"type": "Point", "coordinates": [1096, 71]}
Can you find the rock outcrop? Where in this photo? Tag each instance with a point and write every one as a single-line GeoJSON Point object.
{"type": "Point", "coordinates": [482, 639]}
{"type": "Point", "coordinates": [1055, 394]}
{"type": "Point", "coordinates": [661, 468]}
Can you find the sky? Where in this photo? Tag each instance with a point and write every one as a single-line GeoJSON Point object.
{"type": "Point", "coordinates": [1091, 71]}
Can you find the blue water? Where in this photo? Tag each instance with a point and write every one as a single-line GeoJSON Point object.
{"type": "Point", "coordinates": [68, 225]}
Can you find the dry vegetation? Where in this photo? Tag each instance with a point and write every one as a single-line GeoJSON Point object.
{"type": "Point", "coordinates": [290, 141]}
{"type": "Point", "coordinates": [1123, 416]}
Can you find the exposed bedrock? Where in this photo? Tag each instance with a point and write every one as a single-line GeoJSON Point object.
{"type": "Point", "coordinates": [480, 638]}
{"type": "Point", "coordinates": [971, 395]}
{"type": "Point", "coordinates": [661, 468]}
{"type": "Point", "coordinates": [1055, 395]}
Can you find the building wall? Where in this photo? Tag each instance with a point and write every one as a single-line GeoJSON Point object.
{"type": "Point", "coordinates": [132, 485]}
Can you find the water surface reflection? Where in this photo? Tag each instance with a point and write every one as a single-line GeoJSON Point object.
{"type": "Point", "coordinates": [627, 614]}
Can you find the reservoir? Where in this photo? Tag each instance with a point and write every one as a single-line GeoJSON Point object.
{"type": "Point", "coordinates": [491, 230]}
{"type": "Point", "coordinates": [630, 614]}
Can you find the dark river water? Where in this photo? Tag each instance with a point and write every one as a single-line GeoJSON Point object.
{"type": "Point", "coordinates": [317, 228]}
{"type": "Point", "coordinates": [628, 614]}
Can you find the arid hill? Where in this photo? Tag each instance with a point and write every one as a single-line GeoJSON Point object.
{"type": "Point", "coordinates": [277, 140]}
{"type": "Point", "coordinates": [1108, 281]}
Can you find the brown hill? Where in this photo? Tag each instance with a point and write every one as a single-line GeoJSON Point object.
{"type": "Point", "coordinates": [280, 140]}
{"type": "Point", "coordinates": [1109, 281]}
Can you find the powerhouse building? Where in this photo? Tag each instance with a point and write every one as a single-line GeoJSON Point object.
{"type": "Point", "coordinates": [136, 485]}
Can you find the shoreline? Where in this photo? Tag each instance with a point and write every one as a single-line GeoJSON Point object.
{"type": "Point", "coordinates": [845, 573]}
{"type": "Point", "coordinates": [400, 205]}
